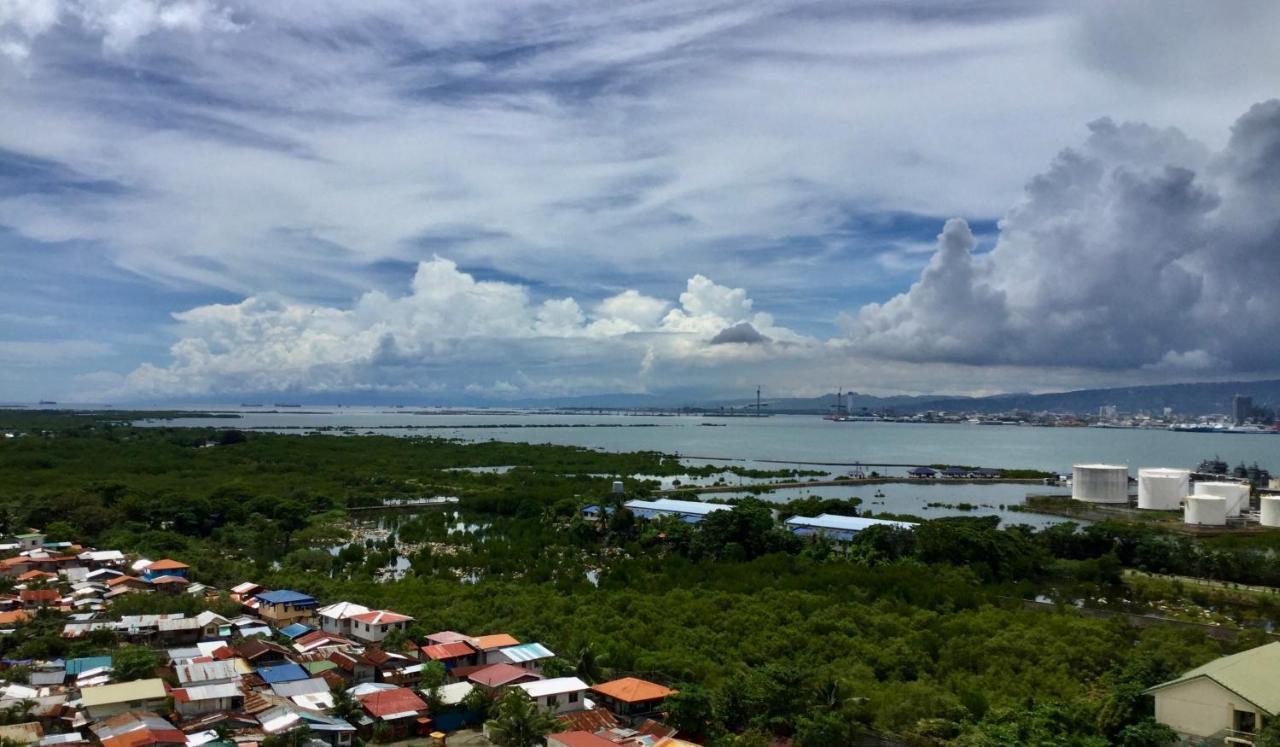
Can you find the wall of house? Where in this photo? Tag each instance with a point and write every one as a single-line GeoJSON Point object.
{"type": "Point", "coordinates": [1200, 707]}
{"type": "Point", "coordinates": [562, 703]}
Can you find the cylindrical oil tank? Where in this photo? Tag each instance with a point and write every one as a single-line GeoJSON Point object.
{"type": "Point", "coordinates": [1270, 510]}
{"type": "Point", "coordinates": [1237, 494]}
{"type": "Point", "coordinates": [1100, 483]}
{"type": "Point", "coordinates": [1161, 489]}
{"type": "Point", "coordinates": [1206, 510]}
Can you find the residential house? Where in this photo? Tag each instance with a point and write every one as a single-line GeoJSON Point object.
{"type": "Point", "coordinates": [132, 583]}
{"type": "Point", "coordinates": [245, 591]}
{"type": "Point", "coordinates": [165, 567]}
{"type": "Point", "coordinates": [529, 656]}
{"type": "Point", "coordinates": [138, 729]}
{"type": "Point", "coordinates": [69, 739]}
{"type": "Point", "coordinates": [111, 700]}
{"type": "Point", "coordinates": [203, 626]}
{"type": "Point", "coordinates": [331, 730]}
{"type": "Point", "coordinates": [196, 672]}
{"type": "Point", "coordinates": [283, 607]}
{"type": "Point", "coordinates": [558, 694]}
{"type": "Point", "coordinates": [451, 655]}
{"type": "Point", "coordinates": [398, 707]}
{"type": "Point", "coordinates": [197, 700]}
{"type": "Point", "coordinates": [1228, 697]}
{"type": "Point", "coordinates": [632, 698]}
{"type": "Point", "coordinates": [30, 540]}
{"type": "Point", "coordinates": [922, 473]}
{"type": "Point", "coordinates": [336, 618]}
{"type": "Point", "coordinates": [577, 739]}
{"type": "Point", "coordinates": [492, 677]}
{"type": "Point", "coordinates": [394, 668]}
{"type": "Point", "coordinates": [487, 646]}
{"type": "Point", "coordinates": [262, 653]}
{"type": "Point", "coordinates": [354, 668]}
{"type": "Point", "coordinates": [375, 625]}
{"type": "Point", "coordinates": [34, 599]}
{"type": "Point", "coordinates": [279, 673]}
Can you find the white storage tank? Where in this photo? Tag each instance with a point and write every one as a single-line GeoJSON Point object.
{"type": "Point", "coordinates": [1270, 510]}
{"type": "Point", "coordinates": [1206, 510]}
{"type": "Point", "coordinates": [1100, 483]}
{"type": "Point", "coordinates": [1237, 494]}
{"type": "Point", "coordinates": [1161, 489]}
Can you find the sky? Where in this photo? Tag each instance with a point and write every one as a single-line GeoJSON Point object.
{"type": "Point", "coordinates": [497, 200]}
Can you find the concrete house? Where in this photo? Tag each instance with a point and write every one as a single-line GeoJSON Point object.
{"type": "Point", "coordinates": [1229, 697]}
{"type": "Point", "coordinates": [557, 695]}
{"type": "Point", "coordinates": [284, 607]}
{"type": "Point", "coordinates": [336, 618]}
{"type": "Point", "coordinates": [373, 626]}
{"type": "Point", "coordinates": [632, 698]}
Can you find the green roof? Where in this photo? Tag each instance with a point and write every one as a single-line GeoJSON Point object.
{"type": "Point", "coordinates": [316, 667]}
{"type": "Point", "coordinates": [1253, 675]}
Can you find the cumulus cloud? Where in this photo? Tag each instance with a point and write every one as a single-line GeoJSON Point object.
{"type": "Point", "coordinates": [119, 23]}
{"type": "Point", "coordinates": [1141, 247]}
{"type": "Point", "coordinates": [741, 333]}
{"type": "Point", "coordinates": [450, 332]}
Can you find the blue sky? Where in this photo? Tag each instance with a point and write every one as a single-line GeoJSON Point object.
{"type": "Point", "coordinates": [205, 199]}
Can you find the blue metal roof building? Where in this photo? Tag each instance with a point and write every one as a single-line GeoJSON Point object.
{"type": "Point", "coordinates": [839, 528]}
{"type": "Point", "coordinates": [295, 630]}
{"type": "Point", "coordinates": [287, 596]}
{"type": "Point", "coordinates": [689, 511]}
{"type": "Point", "coordinates": [85, 663]}
{"type": "Point", "coordinates": [282, 673]}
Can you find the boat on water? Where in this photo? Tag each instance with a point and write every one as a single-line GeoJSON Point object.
{"type": "Point", "coordinates": [285, 404]}
{"type": "Point", "coordinates": [47, 402]}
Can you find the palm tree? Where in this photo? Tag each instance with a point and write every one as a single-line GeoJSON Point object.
{"type": "Point", "coordinates": [519, 722]}
{"type": "Point", "coordinates": [589, 666]}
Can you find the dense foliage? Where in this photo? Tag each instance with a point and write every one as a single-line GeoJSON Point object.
{"type": "Point", "coordinates": [921, 634]}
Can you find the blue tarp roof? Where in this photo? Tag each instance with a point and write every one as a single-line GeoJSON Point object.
{"type": "Point", "coordinates": [295, 630]}
{"type": "Point", "coordinates": [286, 596]}
{"type": "Point", "coordinates": [283, 673]}
{"type": "Point", "coordinates": [85, 663]}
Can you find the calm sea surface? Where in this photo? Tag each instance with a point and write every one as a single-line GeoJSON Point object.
{"type": "Point", "coordinates": [794, 440]}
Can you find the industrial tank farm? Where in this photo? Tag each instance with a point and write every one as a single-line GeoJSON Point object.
{"type": "Point", "coordinates": [1206, 510]}
{"type": "Point", "coordinates": [1100, 483]}
{"type": "Point", "coordinates": [1162, 489]}
{"type": "Point", "coordinates": [1237, 494]}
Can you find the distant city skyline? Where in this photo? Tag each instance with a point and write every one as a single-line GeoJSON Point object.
{"type": "Point", "coordinates": [484, 202]}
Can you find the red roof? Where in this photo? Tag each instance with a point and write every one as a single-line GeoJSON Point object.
{"type": "Point", "coordinates": [497, 675]}
{"type": "Point", "coordinates": [380, 703]}
{"type": "Point", "coordinates": [381, 617]}
{"type": "Point", "coordinates": [166, 564]}
{"type": "Point", "coordinates": [33, 574]}
{"type": "Point", "coordinates": [581, 739]}
{"type": "Point", "coordinates": [453, 650]}
{"type": "Point", "coordinates": [39, 595]}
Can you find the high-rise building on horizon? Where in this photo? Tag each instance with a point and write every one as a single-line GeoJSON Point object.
{"type": "Point", "coordinates": [1241, 408]}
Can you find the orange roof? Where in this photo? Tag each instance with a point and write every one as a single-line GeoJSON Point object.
{"type": "Point", "coordinates": [580, 739]}
{"type": "Point", "coordinates": [632, 690]}
{"type": "Point", "coordinates": [123, 580]}
{"type": "Point", "coordinates": [496, 640]}
{"type": "Point", "coordinates": [166, 564]}
{"type": "Point", "coordinates": [16, 616]}
{"type": "Point", "coordinates": [32, 574]}
{"type": "Point", "coordinates": [11, 562]}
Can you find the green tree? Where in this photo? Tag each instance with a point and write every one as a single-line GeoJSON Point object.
{"type": "Point", "coordinates": [589, 664]}
{"type": "Point", "coordinates": [134, 663]}
{"type": "Point", "coordinates": [518, 722]}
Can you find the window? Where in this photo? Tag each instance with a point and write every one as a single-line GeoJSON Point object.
{"type": "Point", "coordinates": [1245, 721]}
{"type": "Point", "coordinates": [573, 697]}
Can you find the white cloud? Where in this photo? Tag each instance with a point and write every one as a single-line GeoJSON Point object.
{"type": "Point", "coordinates": [1140, 248]}
{"type": "Point", "coordinates": [446, 333]}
